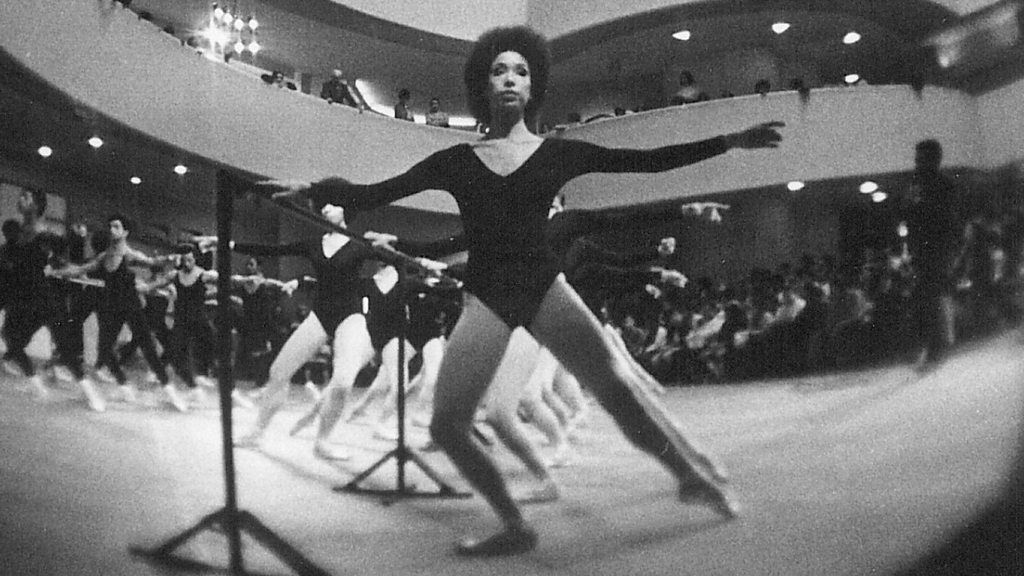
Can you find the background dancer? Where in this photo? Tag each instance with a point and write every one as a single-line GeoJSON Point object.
{"type": "Point", "coordinates": [191, 331]}
{"type": "Point", "coordinates": [504, 185]}
{"type": "Point", "coordinates": [336, 317]}
{"type": "Point", "coordinates": [120, 304]}
{"type": "Point", "coordinates": [33, 302]}
{"type": "Point", "coordinates": [260, 334]}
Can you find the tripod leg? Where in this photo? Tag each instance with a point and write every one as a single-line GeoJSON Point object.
{"type": "Point", "coordinates": [444, 488]}
{"type": "Point", "coordinates": [209, 521]}
{"type": "Point", "coordinates": [289, 555]}
{"type": "Point", "coordinates": [353, 484]}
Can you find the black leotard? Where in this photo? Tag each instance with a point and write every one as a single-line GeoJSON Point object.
{"type": "Point", "coordinates": [504, 217]}
{"type": "Point", "coordinates": [119, 292]}
{"type": "Point", "coordinates": [339, 290]}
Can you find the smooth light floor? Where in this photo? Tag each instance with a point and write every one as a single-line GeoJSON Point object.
{"type": "Point", "coordinates": [867, 472]}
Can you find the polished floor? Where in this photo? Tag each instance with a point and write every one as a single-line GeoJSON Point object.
{"type": "Point", "coordinates": [868, 472]}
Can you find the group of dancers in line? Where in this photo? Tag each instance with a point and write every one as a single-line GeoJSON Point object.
{"type": "Point", "coordinates": [519, 311]}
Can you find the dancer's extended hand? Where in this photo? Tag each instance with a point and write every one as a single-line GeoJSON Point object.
{"type": "Point", "coordinates": [667, 246]}
{"type": "Point", "coordinates": [380, 239]}
{"type": "Point", "coordinates": [765, 135]}
{"type": "Point", "coordinates": [283, 189]}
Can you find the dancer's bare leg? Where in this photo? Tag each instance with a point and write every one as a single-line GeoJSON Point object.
{"type": "Point", "coordinates": [502, 412]}
{"type": "Point", "coordinates": [431, 354]}
{"type": "Point", "coordinates": [302, 345]}
{"type": "Point", "coordinates": [381, 381]}
{"type": "Point", "coordinates": [352, 350]}
{"type": "Point", "coordinates": [474, 352]}
{"type": "Point", "coordinates": [539, 411]}
{"type": "Point", "coordinates": [575, 337]}
{"type": "Point", "coordinates": [389, 364]}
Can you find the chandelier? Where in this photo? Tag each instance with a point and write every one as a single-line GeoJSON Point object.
{"type": "Point", "coordinates": [229, 33]}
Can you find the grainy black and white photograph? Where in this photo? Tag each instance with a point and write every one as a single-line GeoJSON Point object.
{"type": "Point", "coordinates": [512, 287]}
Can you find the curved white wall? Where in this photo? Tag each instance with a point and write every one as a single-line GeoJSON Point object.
{"type": "Point", "coordinates": [839, 132]}
{"type": "Point", "coordinates": [455, 18]}
{"type": "Point", "coordinates": [127, 69]}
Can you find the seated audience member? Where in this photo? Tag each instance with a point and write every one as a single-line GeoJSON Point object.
{"type": "Point", "coordinates": [689, 92]}
{"type": "Point", "coordinates": [763, 87]}
{"type": "Point", "coordinates": [436, 116]}
{"type": "Point", "coordinates": [276, 78]}
{"type": "Point", "coordinates": [336, 90]}
{"type": "Point", "coordinates": [402, 111]}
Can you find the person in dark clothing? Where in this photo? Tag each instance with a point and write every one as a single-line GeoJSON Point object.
{"type": "Point", "coordinates": [336, 90]}
{"type": "Point", "coordinates": [120, 304]}
{"type": "Point", "coordinates": [34, 302]}
{"type": "Point", "coordinates": [934, 231]}
{"type": "Point", "coordinates": [504, 185]}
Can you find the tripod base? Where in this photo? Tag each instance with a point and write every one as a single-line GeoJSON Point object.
{"type": "Point", "coordinates": [222, 521]}
{"type": "Point", "coordinates": [402, 454]}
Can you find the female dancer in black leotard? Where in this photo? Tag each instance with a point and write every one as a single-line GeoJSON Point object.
{"type": "Point", "coordinates": [336, 318]}
{"type": "Point", "coordinates": [504, 185]}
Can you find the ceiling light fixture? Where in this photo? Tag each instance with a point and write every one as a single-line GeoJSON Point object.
{"type": "Point", "coordinates": [780, 27]}
{"type": "Point", "coordinates": [879, 197]}
{"type": "Point", "coordinates": [851, 38]}
{"type": "Point", "coordinates": [180, 169]}
{"type": "Point", "coordinates": [135, 180]}
{"type": "Point", "coordinates": [45, 151]}
{"type": "Point", "coordinates": [795, 186]}
{"type": "Point", "coordinates": [867, 187]}
{"type": "Point", "coordinates": [683, 35]}
{"type": "Point", "coordinates": [95, 142]}
{"type": "Point", "coordinates": [851, 79]}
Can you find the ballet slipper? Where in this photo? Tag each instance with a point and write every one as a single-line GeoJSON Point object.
{"type": "Point", "coordinates": [251, 440]}
{"type": "Point", "coordinates": [303, 422]}
{"type": "Point", "coordinates": [719, 499]}
{"type": "Point", "coordinates": [324, 452]}
{"type": "Point", "coordinates": [542, 494]}
{"type": "Point", "coordinates": [562, 456]}
{"type": "Point", "coordinates": [505, 543]}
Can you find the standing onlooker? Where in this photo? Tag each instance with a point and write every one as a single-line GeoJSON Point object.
{"type": "Point", "coordinates": [934, 231]}
{"type": "Point", "coordinates": [435, 116]}
{"type": "Point", "coordinates": [402, 111]}
{"type": "Point", "coordinates": [689, 91]}
{"type": "Point", "coordinates": [336, 90]}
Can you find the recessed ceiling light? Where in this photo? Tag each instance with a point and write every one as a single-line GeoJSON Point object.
{"type": "Point", "coordinates": [95, 142]}
{"type": "Point", "coordinates": [683, 35]}
{"type": "Point", "coordinates": [780, 27]}
{"type": "Point", "coordinates": [851, 38]}
{"type": "Point", "coordinates": [879, 197]}
{"type": "Point", "coordinates": [867, 187]}
{"type": "Point", "coordinates": [180, 169]}
{"type": "Point", "coordinates": [851, 78]}
{"type": "Point", "coordinates": [135, 180]}
{"type": "Point", "coordinates": [45, 151]}
{"type": "Point", "coordinates": [795, 185]}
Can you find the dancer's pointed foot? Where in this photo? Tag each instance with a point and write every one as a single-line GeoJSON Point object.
{"type": "Point", "coordinates": [175, 398]}
{"type": "Point", "coordinates": [96, 401]}
{"type": "Point", "coordinates": [313, 391]}
{"type": "Point", "coordinates": [544, 492]}
{"type": "Point", "coordinates": [127, 394]}
{"type": "Point", "coordinates": [718, 498]}
{"type": "Point", "coordinates": [505, 543]}
{"type": "Point", "coordinates": [252, 440]}
{"type": "Point", "coordinates": [38, 387]}
{"type": "Point", "coordinates": [239, 399]}
{"type": "Point", "coordinates": [324, 451]}
{"type": "Point", "coordinates": [303, 422]}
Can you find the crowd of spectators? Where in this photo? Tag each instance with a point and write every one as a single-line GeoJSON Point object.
{"type": "Point", "coordinates": [819, 315]}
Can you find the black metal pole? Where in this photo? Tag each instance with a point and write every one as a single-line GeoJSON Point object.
{"type": "Point", "coordinates": [224, 212]}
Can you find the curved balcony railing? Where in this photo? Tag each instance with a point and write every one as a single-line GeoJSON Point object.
{"type": "Point", "coordinates": [104, 57]}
